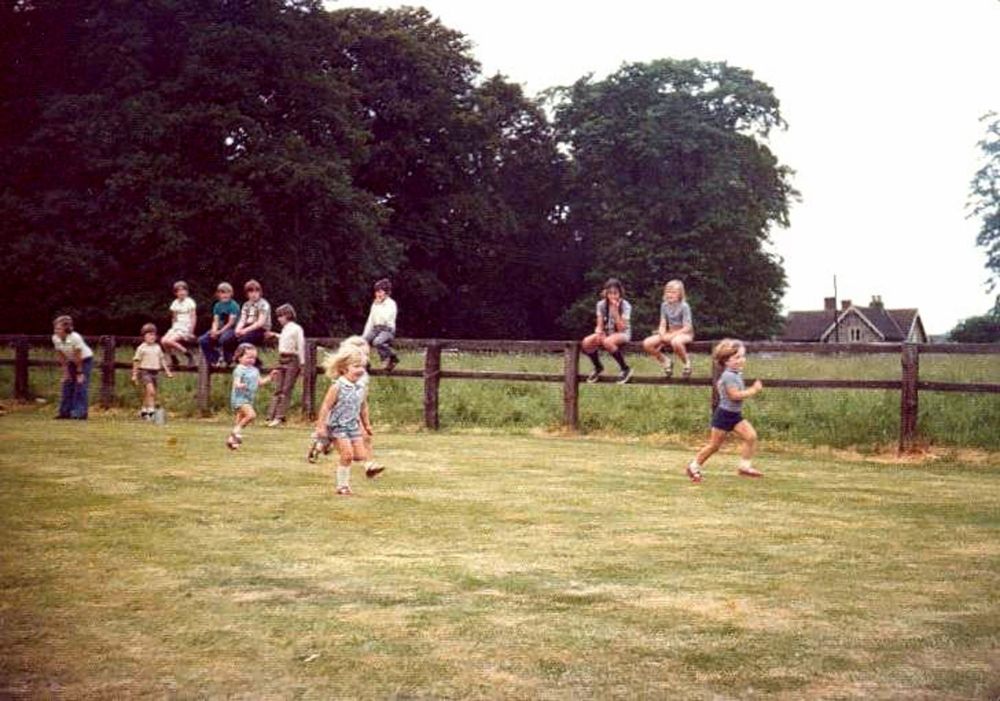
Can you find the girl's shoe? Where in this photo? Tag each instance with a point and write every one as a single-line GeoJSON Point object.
{"type": "Point", "coordinates": [694, 474]}
{"type": "Point", "coordinates": [624, 376]}
{"type": "Point", "coordinates": [749, 472]}
{"type": "Point", "coordinates": [274, 423]}
{"type": "Point", "coordinates": [344, 491]}
{"type": "Point", "coordinates": [233, 441]}
{"type": "Point", "coordinates": [594, 376]}
{"type": "Point", "coordinates": [668, 368]}
{"type": "Point", "coordinates": [315, 450]}
{"type": "Point", "coordinates": [686, 371]}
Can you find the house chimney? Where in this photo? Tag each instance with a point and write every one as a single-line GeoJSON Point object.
{"type": "Point", "coordinates": [845, 304]}
{"type": "Point", "coordinates": [829, 304]}
{"type": "Point", "coordinates": [877, 301]}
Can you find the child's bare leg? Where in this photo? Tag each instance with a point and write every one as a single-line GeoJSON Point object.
{"type": "Point", "coordinates": [345, 453]}
{"type": "Point", "coordinates": [716, 438]}
{"type": "Point", "coordinates": [678, 343]}
{"type": "Point", "coordinates": [244, 415]}
{"type": "Point", "coordinates": [149, 396]}
{"type": "Point", "coordinates": [652, 345]}
{"type": "Point", "coordinates": [171, 344]}
{"type": "Point", "coordinates": [746, 431]}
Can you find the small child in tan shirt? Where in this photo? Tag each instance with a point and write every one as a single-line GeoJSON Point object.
{"type": "Point", "coordinates": [147, 362]}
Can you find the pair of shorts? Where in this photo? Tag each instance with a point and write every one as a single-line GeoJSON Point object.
{"type": "Point", "coordinates": [726, 420]}
{"type": "Point", "coordinates": [351, 431]}
{"type": "Point", "coordinates": [148, 377]}
{"type": "Point", "coordinates": [181, 333]}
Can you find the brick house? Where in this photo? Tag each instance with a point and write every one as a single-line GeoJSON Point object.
{"type": "Point", "coordinates": [851, 324]}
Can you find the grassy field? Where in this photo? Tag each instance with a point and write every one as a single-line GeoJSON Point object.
{"type": "Point", "coordinates": [148, 561]}
{"type": "Point", "coordinates": [865, 420]}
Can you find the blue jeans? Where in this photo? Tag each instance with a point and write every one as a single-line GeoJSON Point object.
{"type": "Point", "coordinates": [255, 337]}
{"type": "Point", "coordinates": [210, 348]}
{"type": "Point", "coordinates": [380, 338]}
{"type": "Point", "coordinates": [74, 401]}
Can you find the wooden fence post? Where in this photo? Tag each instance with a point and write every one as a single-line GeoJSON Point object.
{"type": "Point", "coordinates": [910, 360]}
{"type": "Point", "coordinates": [432, 381]}
{"type": "Point", "coordinates": [107, 371]}
{"type": "Point", "coordinates": [204, 385]}
{"type": "Point", "coordinates": [571, 386]}
{"type": "Point", "coordinates": [309, 381]}
{"type": "Point", "coordinates": [21, 348]}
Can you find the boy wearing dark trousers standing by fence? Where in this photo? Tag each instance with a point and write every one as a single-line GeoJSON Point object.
{"type": "Point", "coordinates": [291, 358]}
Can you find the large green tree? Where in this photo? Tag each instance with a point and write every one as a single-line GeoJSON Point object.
{"type": "Point", "coordinates": [985, 200]}
{"type": "Point", "coordinates": [672, 178]}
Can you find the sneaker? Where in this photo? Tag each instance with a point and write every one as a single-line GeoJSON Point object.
{"type": "Point", "coordinates": [624, 376]}
{"type": "Point", "coordinates": [374, 470]}
{"type": "Point", "coordinates": [668, 368]}
{"type": "Point", "coordinates": [693, 473]}
{"type": "Point", "coordinates": [274, 423]}
{"type": "Point", "coordinates": [391, 365]}
{"type": "Point", "coordinates": [233, 441]}
{"type": "Point", "coordinates": [686, 371]}
{"type": "Point", "coordinates": [315, 450]}
{"type": "Point", "coordinates": [594, 376]}
{"type": "Point", "coordinates": [344, 491]}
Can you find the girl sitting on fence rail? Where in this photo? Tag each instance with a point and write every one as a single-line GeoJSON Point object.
{"type": "Point", "coordinates": [77, 360]}
{"type": "Point", "coordinates": [731, 356]}
{"type": "Point", "coordinates": [675, 332]}
{"type": "Point", "coordinates": [612, 330]}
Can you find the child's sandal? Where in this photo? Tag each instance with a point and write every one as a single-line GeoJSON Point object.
{"type": "Point", "coordinates": [694, 473]}
{"type": "Point", "coordinates": [750, 472]}
{"type": "Point", "coordinates": [232, 442]}
{"type": "Point", "coordinates": [344, 492]}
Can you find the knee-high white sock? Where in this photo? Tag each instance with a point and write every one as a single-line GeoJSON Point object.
{"type": "Point", "coordinates": [343, 476]}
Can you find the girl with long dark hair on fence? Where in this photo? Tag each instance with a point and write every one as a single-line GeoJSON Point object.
{"type": "Point", "coordinates": [612, 330]}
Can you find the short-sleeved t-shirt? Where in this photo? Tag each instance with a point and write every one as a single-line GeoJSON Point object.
{"type": "Point", "coordinates": [72, 343]}
{"type": "Point", "coordinates": [184, 314]}
{"type": "Point", "coordinates": [730, 378]}
{"type": "Point", "coordinates": [252, 311]}
{"type": "Point", "coordinates": [223, 310]}
{"type": "Point", "coordinates": [249, 375]}
{"type": "Point", "coordinates": [676, 315]}
{"type": "Point", "coordinates": [609, 323]}
{"type": "Point", "coordinates": [150, 356]}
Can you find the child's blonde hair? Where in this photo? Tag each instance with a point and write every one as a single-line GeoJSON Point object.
{"type": "Point", "coordinates": [726, 349]}
{"type": "Point", "coordinates": [675, 284]}
{"type": "Point", "coordinates": [336, 364]}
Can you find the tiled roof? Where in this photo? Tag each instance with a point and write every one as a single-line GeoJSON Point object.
{"type": "Point", "coordinates": [893, 324]}
{"type": "Point", "coordinates": [806, 326]}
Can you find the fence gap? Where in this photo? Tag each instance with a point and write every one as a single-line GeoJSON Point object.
{"type": "Point", "coordinates": [21, 348]}
{"type": "Point", "coordinates": [432, 382]}
{"type": "Point", "coordinates": [108, 348]}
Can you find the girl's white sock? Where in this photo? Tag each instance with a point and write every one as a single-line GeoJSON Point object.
{"type": "Point", "coordinates": [343, 476]}
{"type": "Point", "coordinates": [694, 464]}
{"type": "Point", "coordinates": [745, 464]}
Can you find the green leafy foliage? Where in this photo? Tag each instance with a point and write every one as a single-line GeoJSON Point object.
{"type": "Point", "coordinates": [985, 199]}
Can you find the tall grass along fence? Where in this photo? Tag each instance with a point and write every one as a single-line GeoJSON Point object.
{"type": "Point", "coordinates": [908, 385]}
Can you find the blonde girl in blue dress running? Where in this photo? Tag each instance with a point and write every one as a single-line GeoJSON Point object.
{"type": "Point", "coordinates": [339, 420]}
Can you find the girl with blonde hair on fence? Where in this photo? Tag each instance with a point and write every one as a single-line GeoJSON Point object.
{"type": "Point", "coordinates": [675, 332]}
{"type": "Point", "coordinates": [731, 356]}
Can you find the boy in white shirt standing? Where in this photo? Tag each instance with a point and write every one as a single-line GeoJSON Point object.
{"type": "Point", "coordinates": [291, 358]}
{"type": "Point", "coordinates": [380, 329]}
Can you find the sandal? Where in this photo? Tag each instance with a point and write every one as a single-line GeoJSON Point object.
{"type": "Point", "coordinates": [232, 442]}
{"type": "Point", "coordinates": [344, 491]}
{"type": "Point", "coordinates": [749, 472]}
{"type": "Point", "coordinates": [694, 473]}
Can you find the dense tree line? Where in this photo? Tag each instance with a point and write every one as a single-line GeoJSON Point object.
{"type": "Point", "coordinates": [148, 141]}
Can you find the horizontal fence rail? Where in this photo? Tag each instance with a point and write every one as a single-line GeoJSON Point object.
{"type": "Point", "coordinates": [909, 385]}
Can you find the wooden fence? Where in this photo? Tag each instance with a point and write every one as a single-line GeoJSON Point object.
{"type": "Point", "coordinates": [908, 385]}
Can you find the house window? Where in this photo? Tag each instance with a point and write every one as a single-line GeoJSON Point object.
{"type": "Point", "coordinates": [855, 334]}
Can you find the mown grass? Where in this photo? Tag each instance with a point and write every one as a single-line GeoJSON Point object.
{"type": "Point", "coordinates": [148, 561]}
{"type": "Point", "coordinates": [866, 420]}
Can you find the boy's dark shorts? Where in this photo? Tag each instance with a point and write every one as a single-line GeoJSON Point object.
{"type": "Point", "coordinates": [148, 377]}
{"type": "Point", "coordinates": [725, 420]}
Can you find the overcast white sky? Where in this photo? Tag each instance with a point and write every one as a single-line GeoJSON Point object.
{"type": "Point", "coordinates": [882, 97]}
